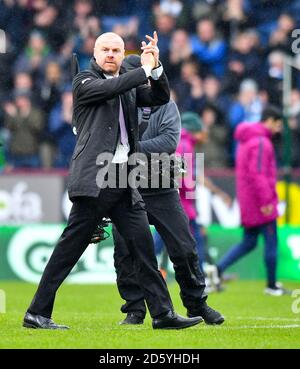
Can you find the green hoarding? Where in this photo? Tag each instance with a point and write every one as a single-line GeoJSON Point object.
{"type": "Point", "coordinates": [24, 252]}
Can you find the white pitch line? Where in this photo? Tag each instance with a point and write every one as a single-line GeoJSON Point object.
{"type": "Point", "coordinates": [268, 319]}
{"type": "Point", "coordinates": [288, 326]}
{"type": "Point", "coordinates": [222, 327]}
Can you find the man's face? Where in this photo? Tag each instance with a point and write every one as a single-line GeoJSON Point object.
{"type": "Point", "coordinates": [206, 30]}
{"type": "Point", "coordinates": [275, 126]}
{"type": "Point", "coordinates": [22, 102]}
{"type": "Point", "coordinates": [109, 54]}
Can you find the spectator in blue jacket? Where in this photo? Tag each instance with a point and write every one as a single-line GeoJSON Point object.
{"type": "Point", "coordinates": [209, 49]}
{"type": "Point", "coordinates": [247, 108]}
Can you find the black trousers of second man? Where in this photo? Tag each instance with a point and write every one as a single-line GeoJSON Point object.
{"type": "Point", "coordinates": [165, 212]}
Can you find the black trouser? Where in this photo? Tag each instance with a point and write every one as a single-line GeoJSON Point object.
{"type": "Point", "coordinates": [167, 215]}
{"type": "Point", "coordinates": [131, 222]}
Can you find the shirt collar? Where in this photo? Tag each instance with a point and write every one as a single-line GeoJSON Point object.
{"type": "Point", "coordinates": [108, 76]}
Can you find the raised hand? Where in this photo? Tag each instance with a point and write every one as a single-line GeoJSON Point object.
{"type": "Point", "coordinates": [152, 47]}
{"type": "Point", "coordinates": [147, 58]}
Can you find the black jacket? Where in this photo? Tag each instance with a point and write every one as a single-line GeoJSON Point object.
{"type": "Point", "coordinates": [96, 118]}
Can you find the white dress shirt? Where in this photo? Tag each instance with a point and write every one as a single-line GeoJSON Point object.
{"type": "Point", "coordinates": [122, 151]}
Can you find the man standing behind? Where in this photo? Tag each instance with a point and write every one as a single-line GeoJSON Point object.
{"type": "Point", "coordinates": [105, 102]}
{"type": "Point", "coordinates": [256, 192]}
{"type": "Point", "coordinates": [159, 132]}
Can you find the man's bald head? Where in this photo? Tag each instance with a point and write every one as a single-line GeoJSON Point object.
{"type": "Point", "coordinates": [109, 52]}
{"type": "Point", "coordinates": [109, 37]}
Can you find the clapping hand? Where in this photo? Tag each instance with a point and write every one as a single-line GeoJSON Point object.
{"type": "Point", "coordinates": [151, 48]}
{"type": "Point", "coordinates": [10, 109]}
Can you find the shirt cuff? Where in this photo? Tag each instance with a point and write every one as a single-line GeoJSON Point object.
{"type": "Point", "coordinates": [147, 70]}
{"type": "Point", "coordinates": [157, 72]}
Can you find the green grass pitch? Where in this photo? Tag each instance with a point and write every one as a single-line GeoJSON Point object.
{"type": "Point", "coordinates": [253, 320]}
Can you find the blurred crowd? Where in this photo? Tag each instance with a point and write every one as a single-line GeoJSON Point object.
{"type": "Point", "coordinates": [224, 60]}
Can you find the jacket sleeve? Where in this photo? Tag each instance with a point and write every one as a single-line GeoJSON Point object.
{"type": "Point", "coordinates": [10, 123]}
{"type": "Point", "coordinates": [89, 89]}
{"type": "Point", "coordinates": [158, 93]}
{"type": "Point", "coordinates": [36, 121]}
{"type": "Point", "coordinates": [260, 157]}
{"type": "Point", "coordinates": [168, 132]}
{"type": "Point", "coordinates": [236, 115]}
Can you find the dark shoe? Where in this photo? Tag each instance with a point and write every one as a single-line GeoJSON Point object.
{"type": "Point", "coordinates": [132, 319]}
{"type": "Point", "coordinates": [209, 315]}
{"type": "Point", "coordinates": [37, 321]}
{"type": "Point", "coordinates": [175, 321]}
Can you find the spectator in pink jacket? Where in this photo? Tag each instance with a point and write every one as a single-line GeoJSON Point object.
{"type": "Point", "coordinates": [256, 192]}
{"type": "Point", "coordinates": [191, 133]}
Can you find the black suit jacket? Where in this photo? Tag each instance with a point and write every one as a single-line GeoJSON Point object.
{"type": "Point", "coordinates": [96, 118]}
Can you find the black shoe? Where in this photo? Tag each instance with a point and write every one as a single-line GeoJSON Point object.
{"type": "Point", "coordinates": [132, 319]}
{"type": "Point", "coordinates": [209, 315]}
{"type": "Point", "coordinates": [175, 321]}
{"type": "Point", "coordinates": [37, 321]}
